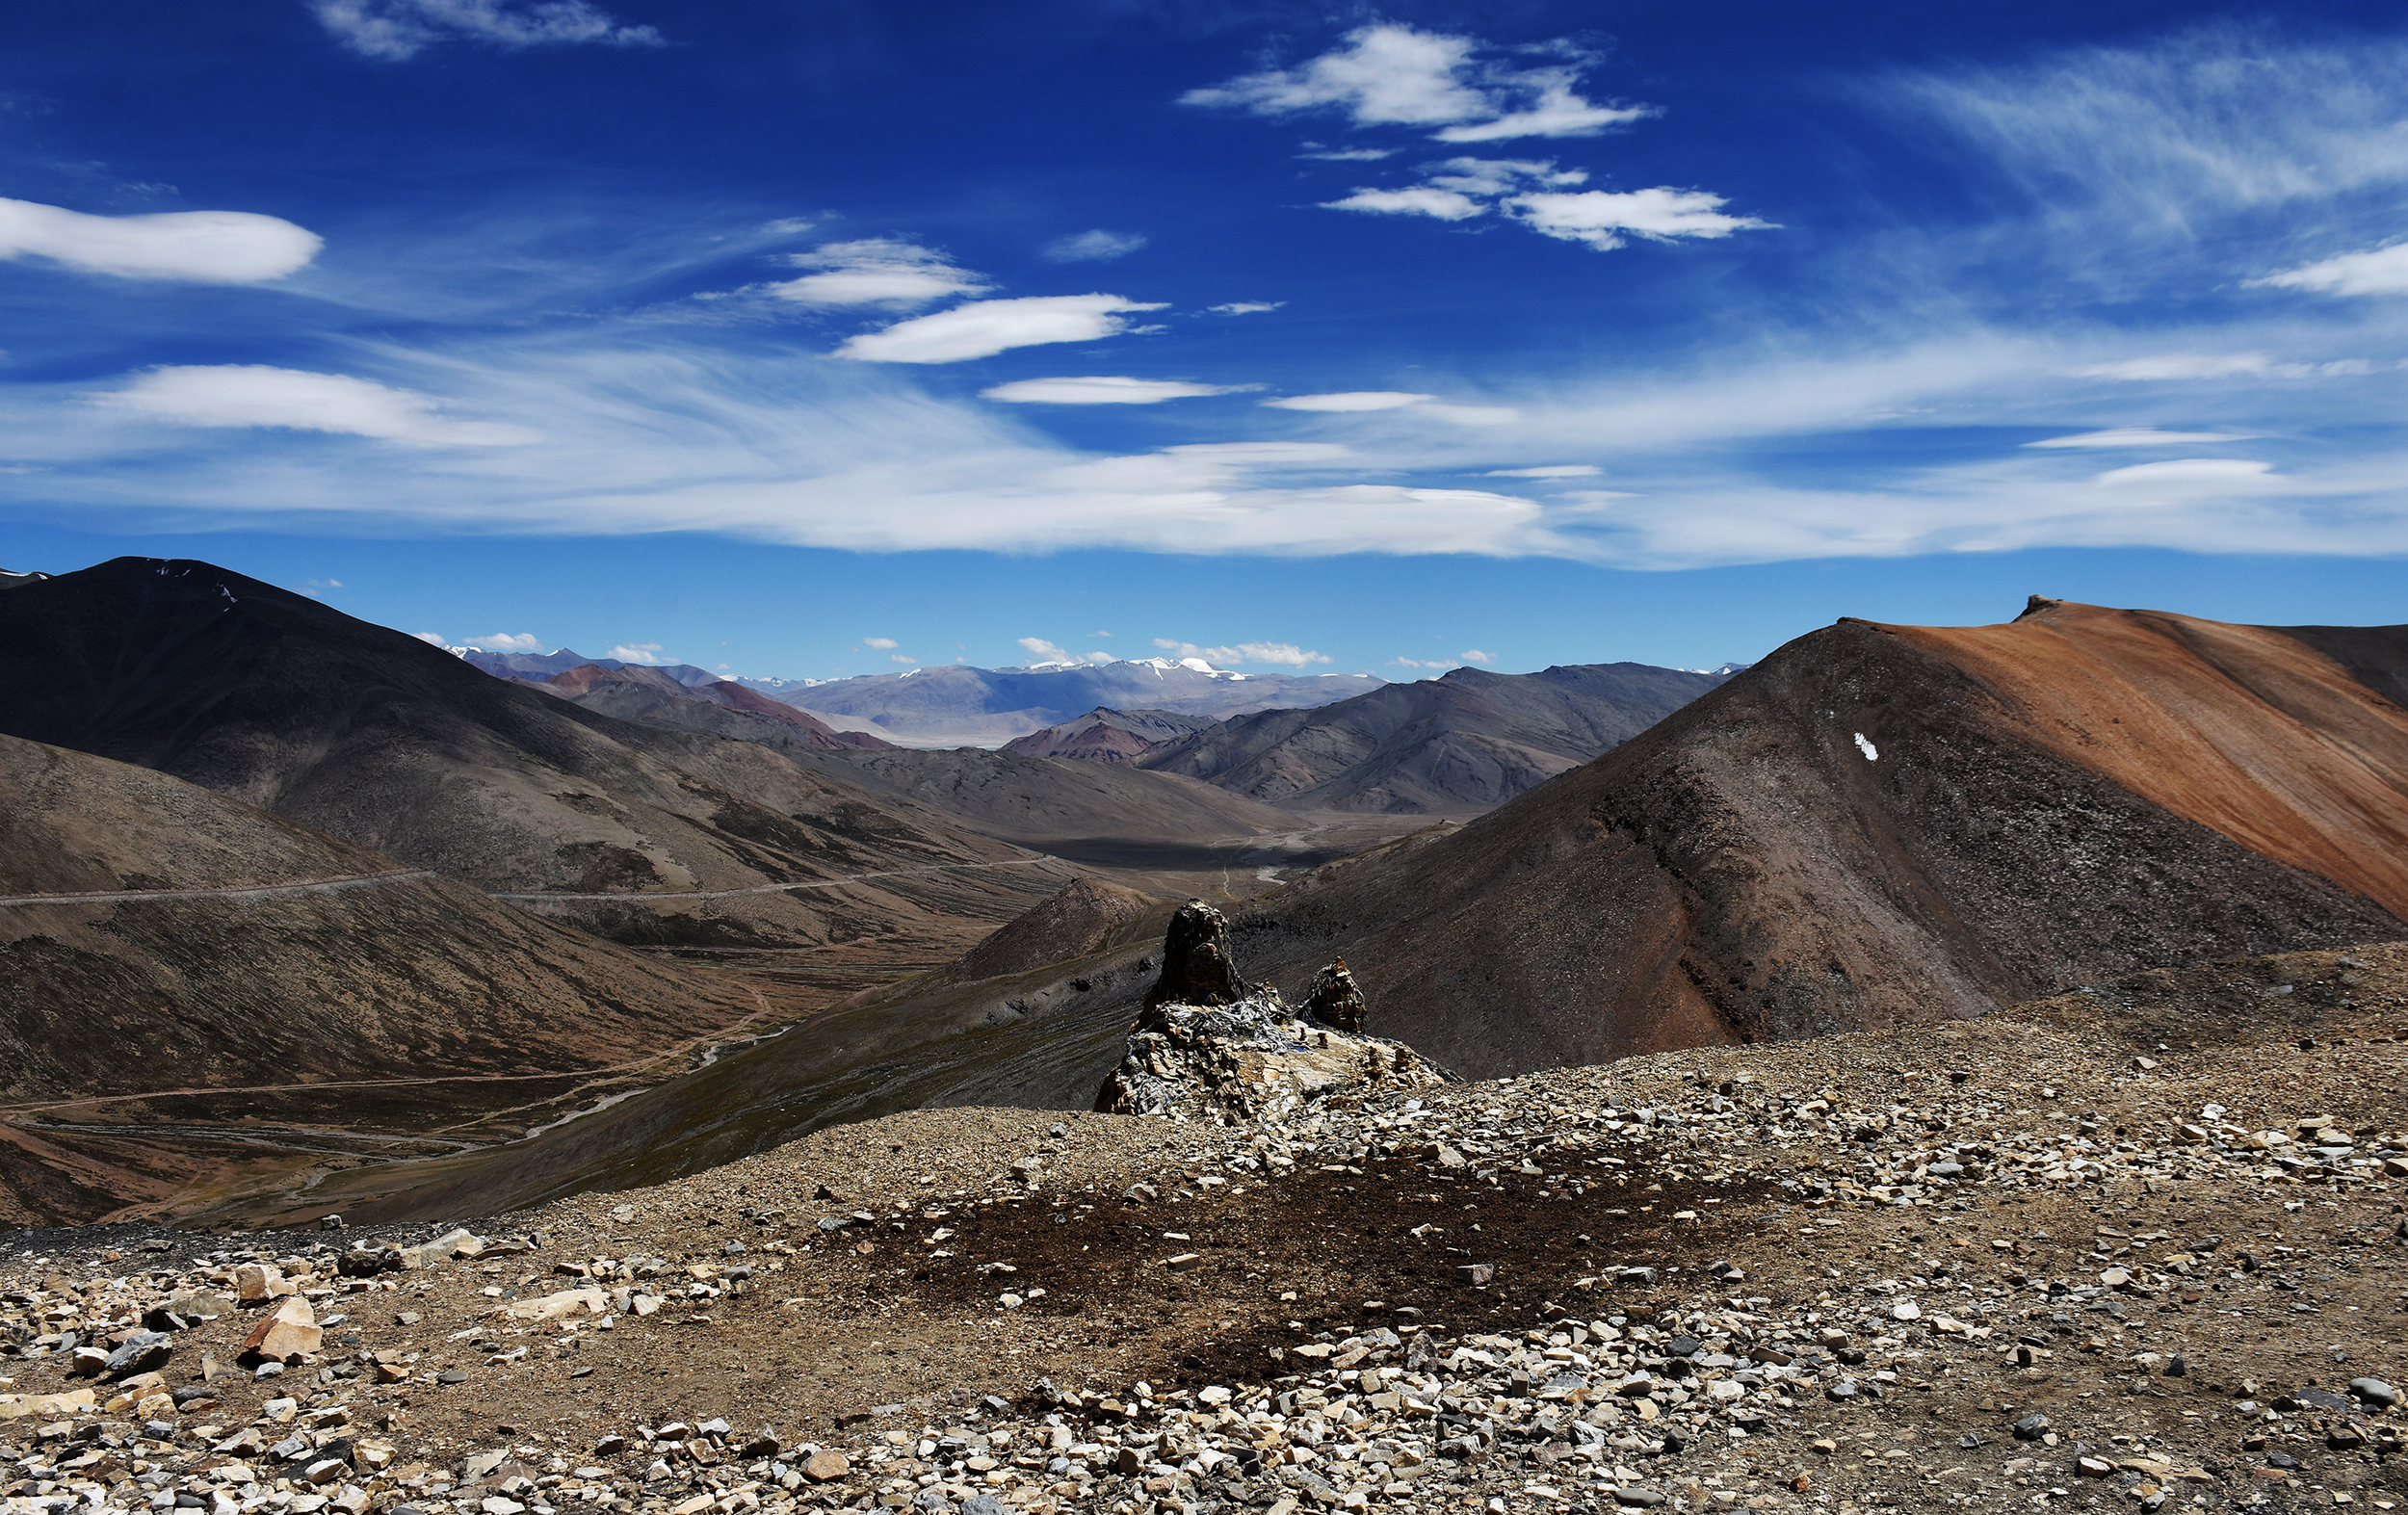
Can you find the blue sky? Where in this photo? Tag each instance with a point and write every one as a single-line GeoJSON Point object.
{"type": "Point", "coordinates": [811, 339]}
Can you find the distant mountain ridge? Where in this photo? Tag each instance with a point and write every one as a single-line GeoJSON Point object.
{"type": "Point", "coordinates": [1109, 736]}
{"type": "Point", "coordinates": [1463, 742]}
{"type": "Point", "coordinates": [637, 692]}
{"type": "Point", "coordinates": [954, 705]}
{"type": "Point", "coordinates": [535, 668]}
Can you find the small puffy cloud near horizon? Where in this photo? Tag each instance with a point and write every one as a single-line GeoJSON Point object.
{"type": "Point", "coordinates": [507, 641]}
{"type": "Point", "coordinates": [882, 643]}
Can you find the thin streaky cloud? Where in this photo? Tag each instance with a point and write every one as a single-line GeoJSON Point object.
{"type": "Point", "coordinates": [985, 328]}
{"type": "Point", "coordinates": [399, 30]}
{"type": "Point", "coordinates": [1094, 247]}
{"type": "Point", "coordinates": [2140, 436]}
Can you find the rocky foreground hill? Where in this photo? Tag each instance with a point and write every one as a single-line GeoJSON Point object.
{"type": "Point", "coordinates": [2139, 1246]}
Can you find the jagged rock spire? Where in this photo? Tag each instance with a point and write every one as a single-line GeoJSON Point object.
{"type": "Point", "coordinates": [1196, 967]}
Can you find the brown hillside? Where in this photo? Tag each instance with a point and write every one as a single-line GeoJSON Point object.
{"type": "Point", "coordinates": [674, 837]}
{"type": "Point", "coordinates": [212, 962]}
{"type": "Point", "coordinates": [2083, 793]}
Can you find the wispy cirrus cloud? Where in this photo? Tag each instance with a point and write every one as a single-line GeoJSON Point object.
{"type": "Point", "coordinates": [202, 247]}
{"type": "Point", "coordinates": [1395, 75]}
{"type": "Point", "coordinates": [399, 30]}
{"type": "Point", "coordinates": [1104, 391]}
{"type": "Point", "coordinates": [2382, 271]}
{"type": "Point", "coordinates": [1094, 247]}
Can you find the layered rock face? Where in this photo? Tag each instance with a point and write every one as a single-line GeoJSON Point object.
{"type": "Point", "coordinates": [1211, 1047]}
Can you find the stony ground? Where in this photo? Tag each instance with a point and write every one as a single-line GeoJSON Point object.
{"type": "Point", "coordinates": [2139, 1246]}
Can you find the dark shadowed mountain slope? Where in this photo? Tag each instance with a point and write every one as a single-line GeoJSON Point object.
{"type": "Point", "coordinates": [2376, 656]}
{"type": "Point", "coordinates": [1455, 745]}
{"type": "Point", "coordinates": [379, 739]}
{"type": "Point", "coordinates": [160, 940]}
{"type": "Point", "coordinates": [1109, 736]}
{"type": "Point", "coordinates": [953, 706]}
{"type": "Point", "coordinates": [1883, 825]}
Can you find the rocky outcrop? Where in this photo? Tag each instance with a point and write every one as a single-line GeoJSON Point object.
{"type": "Point", "coordinates": [1335, 999]}
{"type": "Point", "coordinates": [1196, 969]}
{"type": "Point", "coordinates": [1211, 1047]}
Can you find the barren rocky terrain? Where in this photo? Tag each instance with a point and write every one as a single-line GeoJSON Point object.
{"type": "Point", "coordinates": [2139, 1246]}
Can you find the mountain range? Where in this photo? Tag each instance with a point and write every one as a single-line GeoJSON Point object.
{"type": "Point", "coordinates": [282, 851]}
{"type": "Point", "coordinates": [643, 834]}
{"type": "Point", "coordinates": [949, 705]}
{"type": "Point", "coordinates": [1459, 744]}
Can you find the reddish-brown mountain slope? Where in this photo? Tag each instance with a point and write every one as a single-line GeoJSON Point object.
{"type": "Point", "coordinates": [1883, 825]}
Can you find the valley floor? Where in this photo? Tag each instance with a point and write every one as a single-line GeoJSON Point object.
{"type": "Point", "coordinates": [2139, 1246]}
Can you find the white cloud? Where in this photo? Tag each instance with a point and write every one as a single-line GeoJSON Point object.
{"type": "Point", "coordinates": [1419, 200]}
{"type": "Point", "coordinates": [2180, 365]}
{"type": "Point", "coordinates": [897, 657]}
{"type": "Point", "coordinates": [1549, 471]}
{"type": "Point", "coordinates": [402, 29]}
{"type": "Point", "coordinates": [645, 652]}
{"type": "Point", "coordinates": [882, 643]}
{"type": "Point", "coordinates": [985, 328]}
{"type": "Point", "coordinates": [206, 247]}
{"type": "Point", "coordinates": [1320, 154]}
{"type": "Point", "coordinates": [2140, 436]}
{"type": "Point", "coordinates": [1356, 400]}
{"type": "Point", "coordinates": [1557, 113]}
{"type": "Point", "coordinates": [2384, 271]}
{"type": "Point", "coordinates": [1599, 216]}
{"type": "Point", "coordinates": [431, 638]}
{"type": "Point", "coordinates": [1094, 247]}
{"type": "Point", "coordinates": [1280, 653]}
{"type": "Point", "coordinates": [255, 395]}
{"type": "Point", "coordinates": [1103, 391]}
{"type": "Point", "coordinates": [506, 641]}
{"type": "Point", "coordinates": [1472, 415]}
{"type": "Point", "coordinates": [1044, 651]}
{"type": "Point", "coordinates": [1245, 307]}
{"type": "Point", "coordinates": [2189, 475]}
{"type": "Point", "coordinates": [1395, 75]}
{"type": "Point", "coordinates": [1488, 178]}
{"type": "Point", "coordinates": [875, 271]}
{"type": "Point", "coordinates": [1478, 656]}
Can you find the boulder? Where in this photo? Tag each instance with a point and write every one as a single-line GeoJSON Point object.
{"type": "Point", "coordinates": [287, 1332]}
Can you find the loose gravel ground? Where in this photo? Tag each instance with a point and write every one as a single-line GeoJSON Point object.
{"type": "Point", "coordinates": [2137, 1245]}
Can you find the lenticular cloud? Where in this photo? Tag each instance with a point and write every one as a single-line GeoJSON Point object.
{"type": "Point", "coordinates": [205, 247]}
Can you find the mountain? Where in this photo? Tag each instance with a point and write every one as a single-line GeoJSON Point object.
{"type": "Point", "coordinates": [1461, 743]}
{"type": "Point", "coordinates": [953, 706]}
{"type": "Point", "coordinates": [634, 691]}
{"type": "Point", "coordinates": [643, 834]}
{"type": "Point", "coordinates": [167, 953]}
{"type": "Point", "coordinates": [537, 667]}
{"type": "Point", "coordinates": [1109, 736]}
{"type": "Point", "coordinates": [1880, 824]}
